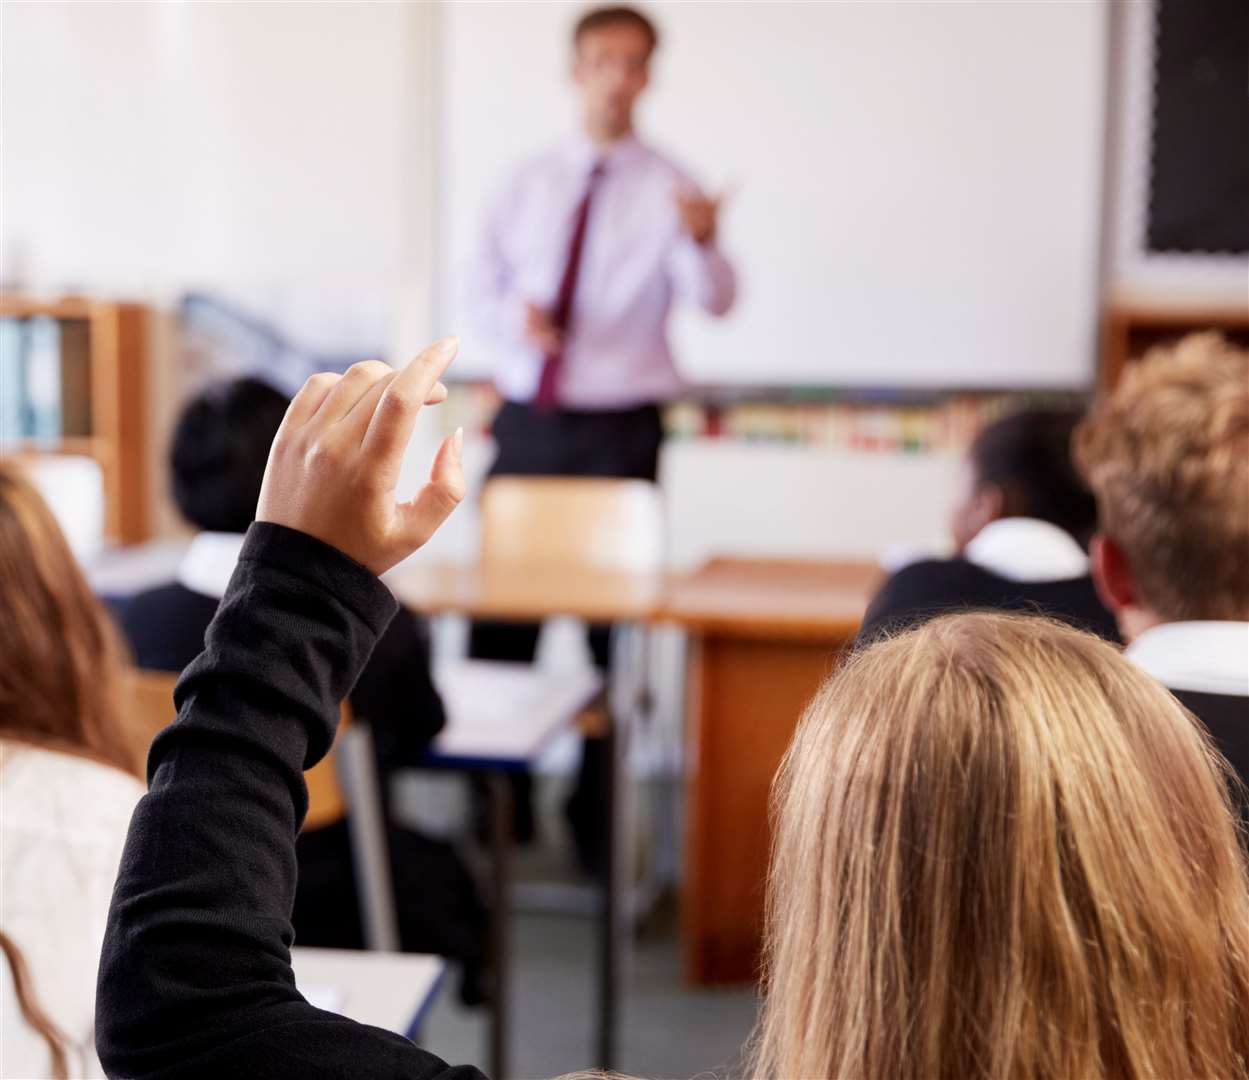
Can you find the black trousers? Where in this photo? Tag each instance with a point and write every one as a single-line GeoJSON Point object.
{"type": "Point", "coordinates": [616, 443]}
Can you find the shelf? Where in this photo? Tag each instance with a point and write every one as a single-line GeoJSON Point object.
{"type": "Point", "coordinates": [117, 347]}
{"type": "Point", "coordinates": [1179, 315]}
{"type": "Point", "coordinates": [82, 445]}
{"type": "Point", "coordinates": [25, 307]}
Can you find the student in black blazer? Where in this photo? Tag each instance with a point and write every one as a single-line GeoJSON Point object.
{"type": "Point", "coordinates": [1020, 531]}
{"type": "Point", "coordinates": [1167, 455]}
{"type": "Point", "coordinates": [217, 461]}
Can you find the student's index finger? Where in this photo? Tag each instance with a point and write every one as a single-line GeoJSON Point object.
{"type": "Point", "coordinates": [391, 425]}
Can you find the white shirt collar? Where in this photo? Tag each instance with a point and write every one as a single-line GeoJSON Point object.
{"type": "Point", "coordinates": [584, 152]}
{"type": "Point", "coordinates": [1204, 657]}
{"type": "Point", "coordinates": [1027, 549]}
{"type": "Point", "coordinates": [209, 561]}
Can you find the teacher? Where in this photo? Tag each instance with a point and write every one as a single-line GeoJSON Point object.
{"type": "Point", "coordinates": [580, 261]}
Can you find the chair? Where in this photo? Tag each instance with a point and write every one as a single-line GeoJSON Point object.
{"type": "Point", "coordinates": [579, 524]}
{"type": "Point", "coordinates": [534, 529]}
{"type": "Point", "coordinates": [343, 784]}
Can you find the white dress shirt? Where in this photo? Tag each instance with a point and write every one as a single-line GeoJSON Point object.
{"type": "Point", "coordinates": [209, 562]}
{"type": "Point", "coordinates": [636, 259]}
{"type": "Point", "coordinates": [1014, 548]}
{"type": "Point", "coordinates": [1027, 549]}
{"type": "Point", "coordinates": [1208, 657]}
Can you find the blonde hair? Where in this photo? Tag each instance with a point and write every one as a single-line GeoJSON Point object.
{"type": "Point", "coordinates": [1002, 851]}
{"type": "Point", "coordinates": [1167, 455]}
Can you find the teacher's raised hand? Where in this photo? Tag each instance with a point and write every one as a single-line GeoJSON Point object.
{"type": "Point", "coordinates": [335, 462]}
{"type": "Point", "coordinates": [697, 214]}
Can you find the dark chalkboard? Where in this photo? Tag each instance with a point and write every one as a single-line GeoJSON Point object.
{"type": "Point", "coordinates": [1199, 151]}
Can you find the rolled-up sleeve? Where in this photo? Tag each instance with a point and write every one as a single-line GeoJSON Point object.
{"type": "Point", "coordinates": [703, 275]}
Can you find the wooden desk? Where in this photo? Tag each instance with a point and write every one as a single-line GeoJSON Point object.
{"type": "Point", "coordinates": [529, 594]}
{"type": "Point", "coordinates": [537, 593]}
{"type": "Point", "coordinates": [763, 635]}
{"type": "Point", "coordinates": [387, 990]}
{"type": "Point", "coordinates": [500, 717]}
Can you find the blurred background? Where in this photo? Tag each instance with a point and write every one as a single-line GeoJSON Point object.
{"type": "Point", "coordinates": [937, 211]}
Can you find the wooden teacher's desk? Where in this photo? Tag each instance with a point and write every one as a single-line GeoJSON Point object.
{"type": "Point", "coordinates": [763, 634]}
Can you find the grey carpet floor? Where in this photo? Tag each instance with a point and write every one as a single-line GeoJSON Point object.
{"type": "Point", "coordinates": [668, 1029]}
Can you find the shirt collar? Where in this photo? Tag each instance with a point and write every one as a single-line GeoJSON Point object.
{"type": "Point", "coordinates": [584, 153]}
{"type": "Point", "coordinates": [1203, 657]}
{"type": "Point", "coordinates": [1027, 549]}
{"type": "Point", "coordinates": [209, 561]}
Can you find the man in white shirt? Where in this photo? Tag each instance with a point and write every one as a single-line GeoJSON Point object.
{"type": "Point", "coordinates": [581, 259]}
{"type": "Point", "coordinates": [1167, 456]}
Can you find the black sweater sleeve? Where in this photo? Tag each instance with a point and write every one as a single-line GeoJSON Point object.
{"type": "Point", "coordinates": [195, 977]}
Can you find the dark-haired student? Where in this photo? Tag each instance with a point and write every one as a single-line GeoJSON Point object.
{"type": "Point", "coordinates": [1167, 455]}
{"type": "Point", "coordinates": [1021, 530]}
{"type": "Point", "coordinates": [217, 462]}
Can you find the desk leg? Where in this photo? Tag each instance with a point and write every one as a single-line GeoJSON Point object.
{"type": "Point", "coordinates": [609, 913]}
{"type": "Point", "coordinates": [500, 943]}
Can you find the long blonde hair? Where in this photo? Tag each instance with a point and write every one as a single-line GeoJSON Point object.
{"type": "Point", "coordinates": [1001, 851]}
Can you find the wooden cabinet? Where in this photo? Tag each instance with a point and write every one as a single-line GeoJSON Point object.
{"type": "Point", "coordinates": [116, 343]}
{"type": "Point", "coordinates": [1130, 329]}
{"type": "Point", "coordinates": [764, 634]}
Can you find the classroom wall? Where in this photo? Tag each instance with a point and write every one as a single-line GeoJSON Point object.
{"type": "Point", "coordinates": [285, 155]}
{"type": "Point", "coordinates": [914, 188]}
{"type": "Point", "coordinates": [275, 154]}
{"type": "Point", "coordinates": [257, 150]}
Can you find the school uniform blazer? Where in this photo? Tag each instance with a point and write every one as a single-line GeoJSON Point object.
{"type": "Point", "coordinates": [195, 975]}
{"type": "Point", "coordinates": [924, 590]}
{"type": "Point", "coordinates": [1015, 564]}
{"type": "Point", "coordinates": [395, 692]}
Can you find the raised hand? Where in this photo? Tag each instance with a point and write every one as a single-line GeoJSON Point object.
{"type": "Point", "coordinates": [697, 214]}
{"type": "Point", "coordinates": [335, 461]}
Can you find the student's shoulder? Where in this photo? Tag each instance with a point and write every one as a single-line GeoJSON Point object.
{"type": "Point", "coordinates": [171, 602]}
{"type": "Point", "coordinates": [165, 625]}
{"type": "Point", "coordinates": [171, 596]}
{"type": "Point", "coordinates": [921, 590]}
{"type": "Point", "coordinates": [935, 577]}
{"type": "Point", "coordinates": [43, 785]}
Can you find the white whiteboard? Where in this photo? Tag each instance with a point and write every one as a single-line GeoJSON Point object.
{"type": "Point", "coordinates": [916, 186]}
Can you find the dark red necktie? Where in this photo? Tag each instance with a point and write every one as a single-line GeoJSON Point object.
{"type": "Point", "coordinates": [547, 396]}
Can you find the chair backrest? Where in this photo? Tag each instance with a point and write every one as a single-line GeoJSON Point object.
{"type": "Point", "coordinates": [149, 698]}
{"type": "Point", "coordinates": [576, 523]}
{"type": "Point", "coordinates": [151, 709]}
{"type": "Point", "coordinates": [327, 803]}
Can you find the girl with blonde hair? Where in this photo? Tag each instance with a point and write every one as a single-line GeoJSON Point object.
{"type": "Point", "coordinates": [1002, 851]}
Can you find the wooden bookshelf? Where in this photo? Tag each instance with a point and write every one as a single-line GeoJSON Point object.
{"type": "Point", "coordinates": [117, 344]}
{"type": "Point", "coordinates": [1130, 328]}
